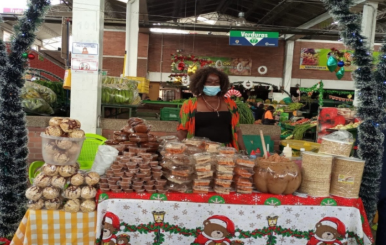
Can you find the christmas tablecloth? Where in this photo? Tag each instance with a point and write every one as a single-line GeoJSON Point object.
{"type": "Point", "coordinates": [54, 227]}
{"type": "Point", "coordinates": [176, 218]}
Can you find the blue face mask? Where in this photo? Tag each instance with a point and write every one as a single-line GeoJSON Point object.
{"type": "Point", "coordinates": [211, 90]}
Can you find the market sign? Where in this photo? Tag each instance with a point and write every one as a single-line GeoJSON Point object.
{"type": "Point", "coordinates": [316, 59]}
{"type": "Point", "coordinates": [254, 38]}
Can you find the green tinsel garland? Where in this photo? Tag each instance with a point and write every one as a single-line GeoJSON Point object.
{"type": "Point", "coordinates": [270, 232]}
{"type": "Point", "coordinates": [323, 91]}
{"type": "Point", "coordinates": [370, 108]}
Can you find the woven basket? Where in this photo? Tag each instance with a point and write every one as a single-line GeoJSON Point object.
{"type": "Point", "coordinates": [316, 171]}
{"type": "Point", "coordinates": [316, 188]}
{"type": "Point", "coordinates": [346, 177]}
{"type": "Point", "coordinates": [336, 148]}
{"type": "Point", "coordinates": [316, 166]}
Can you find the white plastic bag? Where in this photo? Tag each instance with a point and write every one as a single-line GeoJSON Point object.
{"type": "Point", "coordinates": [105, 156]}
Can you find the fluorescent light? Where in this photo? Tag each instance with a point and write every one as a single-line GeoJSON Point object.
{"type": "Point", "coordinates": [161, 30]}
{"type": "Point", "coordinates": [210, 22]}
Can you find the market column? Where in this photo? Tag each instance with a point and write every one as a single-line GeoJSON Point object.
{"type": "Point", "coordinates": [369, 22]}
{"type": "Point", "coordinates": [86, 63]}
{"type": "Point", "coordinates": [131, 44]}
{"type": "Point", "coordinates": [289, 56]}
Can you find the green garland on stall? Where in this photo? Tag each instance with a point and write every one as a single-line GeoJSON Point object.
{"type": "Point", "coordinates": [327, 91]}
{"type": "Point", "coordinates": [271, 232]}
{"type": "Point", "coordinates": [323, 91]}
{"type": "Point", "coordinates": [315, 88]}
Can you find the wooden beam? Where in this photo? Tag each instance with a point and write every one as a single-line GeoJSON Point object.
{"type": "Point", "coordinates": [176, 10]}
{"type": "Point", "coordinates": [200, 5]}
{"type": "Point", "coordinates": [317, 20]}
{"type": "Point", "coordinates": [223, 6]}
{"type": "Point", "coordinates": [252, 9]}
{"type": "Point", "coordinates": [143, 13]}
{"type": "Point", "coordinates": [274, 12]}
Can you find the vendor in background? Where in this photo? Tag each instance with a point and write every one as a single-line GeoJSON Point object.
{"type": "Point", "coordinates": [210, 114]}
{"type": "Point", "coordinates": [259, 112]}
{"type": "Point", "coordinates": [268, 116]}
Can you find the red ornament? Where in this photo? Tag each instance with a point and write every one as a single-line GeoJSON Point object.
{"type": "Point", "coordinates": [181, 66]}
{"type": "Point", "coordinates": [31, 56]}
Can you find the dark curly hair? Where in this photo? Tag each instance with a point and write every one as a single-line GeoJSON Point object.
{"type": "Point", "coordinates": [198, 80]}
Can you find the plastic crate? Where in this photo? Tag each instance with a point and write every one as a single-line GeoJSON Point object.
{"type": "Point", "coordinates": [170, 114]}
{"type": "Point", "coordinates": [143, 84]}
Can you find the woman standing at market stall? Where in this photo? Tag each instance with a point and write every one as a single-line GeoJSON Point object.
{"type": "Point", "coordinates": [210, 114]}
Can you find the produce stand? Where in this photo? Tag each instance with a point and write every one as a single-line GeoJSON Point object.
{"type": "Point", "coordinates": [166, 103]}
{"type": "Point", "coordinates": [176, 218]}
{"type": "Point", "coordinates": [132, 109]}
{"type": "Point", "coordinates": [56, 227]}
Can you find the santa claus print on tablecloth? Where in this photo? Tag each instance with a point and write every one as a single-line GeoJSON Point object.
{"type": "Point", "coordinates": [123, 239]}
{"type": "Point", "coordinates": [216, 230]}
{"type": "Point", "coordinates": [110, 228]}
{"type": "Point", "coordinates": [329, 230]}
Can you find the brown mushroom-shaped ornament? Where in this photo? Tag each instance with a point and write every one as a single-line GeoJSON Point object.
{"type": "Point", "coordinates": [42, 180]}
{"type": "Point", "coordinates": [72, 192]}
{"type": "Point", "coordinates": [50, 192]}
{"type": "Point", "coordinates": [88, 206]}
{"type": "Point", "coordinates": [68, 125]}
{"type": "Point", "coordinates": [88, 192]}
{"type": "Point", "coordinates": [54, 131]}
{"type": "Point", "coordinates": [76, 133]}
{"type": "Point", "coordinates": [61, 158]}
{"type": "Point", "coordinates": [50, 169]}
{"type": "Point", "coordinates": [58, 181]}
{"type": "Point", "coordinates": [77, 179]}
{"type": "Point", "coordinates": [34, 193]}
{"type": "Point", "coordinates": [92, 178]}
{"type": "Point", "coordinates": [53, 204]}
{"type": "Point", "coordinates": [36, 205]}
{"type": "Point", "coordinates": [55, 121]}
{"type": "Point", "coordinates": [67, 170]}
{"type": "Point", "coordinates": [72, 206]}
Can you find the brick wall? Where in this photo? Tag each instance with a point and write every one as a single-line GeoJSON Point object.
{"type": "Point", "coordinates": [35, 144]}
{"type": "Point", "coordinates": [218, 46]}
{"type": "Point", "coordinates": [47, 65]}
{"type": "Point", "coordinates": [114, 43]}
{"type": "Point", "coordinates": [113, 66]}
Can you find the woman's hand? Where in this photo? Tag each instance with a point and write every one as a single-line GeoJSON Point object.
{"type": "Point", "coordinates": [181, 134]}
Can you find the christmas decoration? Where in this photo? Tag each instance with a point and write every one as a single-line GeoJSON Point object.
{"type": "Point", "coordinates": [181, 66]}
{"type": "Point", "coordinates": [339, 98]}
{"type": "Point", "coordinates": [13, 131]}
{"type": "Point", "coordinates": [233, 92]}
{"type": "Point", "coordinates": [24, 55]}
{"type": "Point", "coordinates": [340, 64]}
{"type": "Point", "coordinates": [332, 63]}
{"type": "Point", "coordinates": [340, 73]}
{"type": "Point", "coordinates": [31, 56]}
{"type": "Point", "coordinates": [370, 110]}
{"type": "Point", "coordinates": [192, 69]}
{"type": "Point", "coordinates": [318, 88]}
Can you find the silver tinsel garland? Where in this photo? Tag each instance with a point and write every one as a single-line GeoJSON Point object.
{"type": "Point", "coordinates": [370, 109]}
{"type": "Point", "coordinates": [13, 130]}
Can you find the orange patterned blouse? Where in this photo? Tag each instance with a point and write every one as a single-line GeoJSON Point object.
{"type": "Point", "coordinates": [187, 119]}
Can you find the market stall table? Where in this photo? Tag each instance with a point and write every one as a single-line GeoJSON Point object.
{"type": "Point", "coordinates": [55, 227]}
{"type": "Point", "coordinates": [176, 218]}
